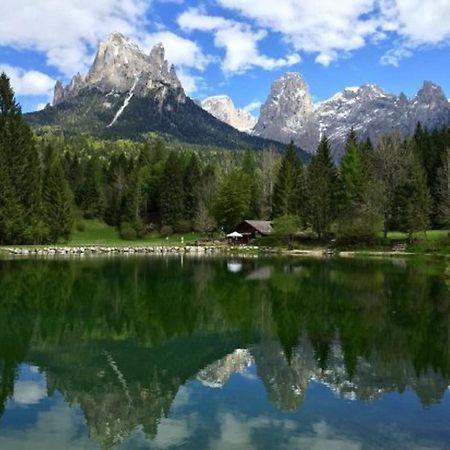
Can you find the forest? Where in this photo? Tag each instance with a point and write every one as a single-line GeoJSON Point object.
{"type": "Point", "coordinates": [51, 182]}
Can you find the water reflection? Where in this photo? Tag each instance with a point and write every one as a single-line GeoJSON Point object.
{"type": "Point", "coordinates": [148, 353]}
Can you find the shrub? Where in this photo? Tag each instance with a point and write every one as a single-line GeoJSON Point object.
{"type": "Point", "coordinates": [80, 226]}
{"type": "Point", "coordinates": [127, 231]}
{"type": "Point", "coordinates": [183, 226]}
{"type": "Point", "coordinates": [166, 230]}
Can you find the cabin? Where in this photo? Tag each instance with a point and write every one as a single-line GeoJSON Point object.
{"type": "Point", "coordinates": [248, 230]}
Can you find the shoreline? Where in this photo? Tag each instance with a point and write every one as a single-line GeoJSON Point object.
{"type": "Point", "coordinates": [198, 250]}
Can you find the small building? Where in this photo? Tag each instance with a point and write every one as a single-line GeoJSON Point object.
{"type": "Point", "coordinates": [252, 229]}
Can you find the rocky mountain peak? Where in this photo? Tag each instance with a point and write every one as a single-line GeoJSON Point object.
{"type": "Point", "coordinates": [223, 108]}
{"type": "Point", "coordinates": [431, 94]}
{"type": "Point", "coordinates": [120, 66]}
{"type": "Point", "coordinates": [289, 113]}
{"type": "Point", "coordinates": [157, 54]}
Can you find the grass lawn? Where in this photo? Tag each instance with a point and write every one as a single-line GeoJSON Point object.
{"type": "Point", "coordinates": [97, 232]}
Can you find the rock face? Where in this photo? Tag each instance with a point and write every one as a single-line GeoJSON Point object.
{"type": "Point", "coordinates": [119, 67]}
{"type": "Point", "coordinates": [222, 107]}
{"type": "Point", "coordinates": [289, 113]}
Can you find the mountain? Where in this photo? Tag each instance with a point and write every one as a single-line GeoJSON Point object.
{"type": "Point", "coordinates": [222, 107]}
{"type": "Point", "coordinates": [128, 93]}
{"type": "Point", "coordinates": [290, 114]}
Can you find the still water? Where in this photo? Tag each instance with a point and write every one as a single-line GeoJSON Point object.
{"type": "Point", "coordinates": [146, 353]}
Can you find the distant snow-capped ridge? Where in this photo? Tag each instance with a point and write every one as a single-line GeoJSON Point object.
{"type": "Point", "coordinates": [223, 108]}
{"type": "Point", "coordinates": [290, 114]}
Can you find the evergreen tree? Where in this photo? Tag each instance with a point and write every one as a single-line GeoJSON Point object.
{"type": "Point", "coordinates": [92, 196]}
{"type": "Point", "coordinates": [191, 186]}
{"type": "Point", "coordinates": [443, 190]}
{"type": "Point", "coordinates": [412, 201]}
{"type": "Point", "coordinates": [233, 199]}
{"type": "Point", "coordinates": [322, 179]}
{"type": "Point", "coordinates": [359, 205]}
{"type": "Point", "coordinates": [288, 191]}
{"type": "Point", "coordinates": [57, 199]}
{"type": "Point", "coordinates": [20, 174]}
{"type": "Point", "coordinates": [249, 167]}
{"type": "Point", "coordinates": [171, 191]}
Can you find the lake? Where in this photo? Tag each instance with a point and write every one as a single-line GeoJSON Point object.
{"type": "Point", "coordinates": [214, 353]}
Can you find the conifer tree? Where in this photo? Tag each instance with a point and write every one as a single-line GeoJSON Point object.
{"type": "Point", "coordinates": [20, 174]}
{"type": "Point", "coordinates": [191, 186]}
{"type": "Point", "coordinates": [249, 167]}
{"type": "Point", "coordinates": [233, 199]}
{"type": "Point", "coordinates": [443, 190]}
{"type": "Point", "coordinates": [322, 179]}
{"type": "Point", "coordinates": [288, 192]}
{"type": "Point", "coordinates": [57, 198]}
{"type": "Point", "coordinates": [171, 191]}
{"type": "Point", "coordinates": [359, 214]}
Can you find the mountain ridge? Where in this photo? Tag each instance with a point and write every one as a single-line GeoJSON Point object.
{"type": "Point", "coordinates": [290, 114]}
{"type": "Point", "coordinates": [128, 93]}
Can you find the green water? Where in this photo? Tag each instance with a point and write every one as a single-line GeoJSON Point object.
{"type": "Point", "coordinates": [146, 352]}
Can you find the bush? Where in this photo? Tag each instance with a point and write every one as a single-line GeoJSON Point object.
{"type": "Point", "coordinates": [166, 230]}
{"type": "Point", "coordinates": [183, 226]}
{"type": "Point", "coordinates": [127, 231]}
{"type": "Point", "coordinates": [80, 226]}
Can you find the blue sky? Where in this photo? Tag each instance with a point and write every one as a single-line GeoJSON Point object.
{"type": "Point", "coordinates": [234, 47]}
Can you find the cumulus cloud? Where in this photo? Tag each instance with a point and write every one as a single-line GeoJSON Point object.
{"type": "Point", "coordinates": [239, 41]}
{"type": "Point", "coordinates": [68, 32]}
{"type": "Point", "coordinates": [331, 29]}
{"type": "Point", "coordinates": [29, 392]}
{"type": "Point", "coordinates": [253, 106]}
{"type": "Point", "coordinates": [179, 51]}
{"type": "Point", "coordinates": [31, 82]}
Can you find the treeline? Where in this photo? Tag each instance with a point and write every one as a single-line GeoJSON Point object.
{"type": "Point", "coordinates": [399, 184]}
{"type": "Point", "coordinates": [48, 184]}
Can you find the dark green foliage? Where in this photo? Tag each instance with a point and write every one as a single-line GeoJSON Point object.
{"type": "Point", "coordinates": [360, 206]}
{"type": "Point", "coordinates": [233, 199]}
{"type": "Point", "coordinates": [171, 191]}
{"type": "Point", "coordinates": [323, 190]}
{"type": "Point", "coordinates": [57, 198]}
{"type": "Point", "coordinates": [192, 187]}
{"type": "Point", "coordinates": [289, 188]}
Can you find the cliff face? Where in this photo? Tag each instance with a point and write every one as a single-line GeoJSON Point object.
{"type": "Point", "coordinates": [222, 107]}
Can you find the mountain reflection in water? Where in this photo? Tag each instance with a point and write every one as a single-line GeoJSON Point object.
{"type": "Point", "coordinates": [150, 353]}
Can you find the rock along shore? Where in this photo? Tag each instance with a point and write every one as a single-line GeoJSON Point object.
{"type": "Point", "coordinates": [131, 250]}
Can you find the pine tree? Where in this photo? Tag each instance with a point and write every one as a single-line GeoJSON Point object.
{"type": "Point", "coordinates": [93, 201]}
{"type": "Point", "coordinates": [191, 186]}
{"type": "Point", "coordinates": [20, 173]}
{"type": "Point", "coordinates": [288, 192]}
{"type": "Point", "coordinates": [443, 190]}
{"type": "Point", "coordinates": [233, 199]}
{"type": "Point", "coordinates": [359, 206]}
{"type": "Point", "coordinates": [322, 182]}
{"type": "Point", "coordinates": [412, 205]}
{"type": "Point", "coordinates": [249, 167]}
{"type": "Point", "coordinates": [57, 198]}
{"type": "Point", "coordinates": [171, 191]}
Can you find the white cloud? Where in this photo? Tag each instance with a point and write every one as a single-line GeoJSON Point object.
{"type": "Point", "coordinates": [68, 32]}
{"type": "Point", "coordinates": [191, 83]}
{"type": "Point", "coordinates": [331, 29]}
{"type": "Point", "coordinates": [325, 27]}
{"type": "Point", "coordinates": [179, 51]}
{"type": "Point", "coordinates": [253, 106]}
{"type": "Point", "coordinates": [29, 82]}
{"type": "Point", "coordinates": [239, 41]}
{"type": "Point", "coordinates": [29, 392]}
